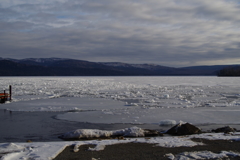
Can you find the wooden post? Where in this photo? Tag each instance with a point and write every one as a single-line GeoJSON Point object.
{"type": "Point", "coordinates": [4, 96]}
{"type": "Point", "coordinates": [10, 92]}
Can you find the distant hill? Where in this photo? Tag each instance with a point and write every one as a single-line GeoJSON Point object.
{"type": "Point", "coordinates": [61, 68]}
{"type": "Point", "coordinates": [73, 67]}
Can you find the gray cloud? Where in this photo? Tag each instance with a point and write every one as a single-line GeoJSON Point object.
{"type": "Point", "coordinates": [166, 32]}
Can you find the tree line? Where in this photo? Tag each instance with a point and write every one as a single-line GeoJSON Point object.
{"type": "Point", "coordinates": [230, 71]}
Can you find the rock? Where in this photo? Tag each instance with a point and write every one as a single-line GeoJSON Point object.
{"type": "Point", "coordinates": [225, 129]}
{"type": "Point", "coordinates": [184, 129]}
{"type": "Point", "coordinates": [121, 138]}
{"type": "Point", "coordinates": [151, 133]}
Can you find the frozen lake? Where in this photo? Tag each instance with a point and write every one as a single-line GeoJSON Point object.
{"type": "Point", "coordinates": [42, 108]}
{"type": "Point", "coordinates": [135, 100]}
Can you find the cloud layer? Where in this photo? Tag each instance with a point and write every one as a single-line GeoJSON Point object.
{"type": "Point", "coordinates": [166, 32]}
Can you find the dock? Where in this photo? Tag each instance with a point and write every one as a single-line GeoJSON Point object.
{"type": "Point", "coordinates": [6, 96]}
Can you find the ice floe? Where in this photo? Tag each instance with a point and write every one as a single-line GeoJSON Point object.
{"type": "Point", "coordinates": [163, 92]}
{"type": "Point", "coordinates": [199, 115]}
{"type": "Point", "coordinates": [128, 99]}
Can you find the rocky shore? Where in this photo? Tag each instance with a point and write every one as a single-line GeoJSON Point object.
{"type": "Point", "coordinates": [143, 151]}
{"type": "Point", "coordinates": [207, 149]}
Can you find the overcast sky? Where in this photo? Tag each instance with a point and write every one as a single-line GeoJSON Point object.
{"type": "Point", "coordinates": [166, 32]}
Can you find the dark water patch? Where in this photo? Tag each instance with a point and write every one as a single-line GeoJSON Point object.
{"type": "Point", "coordinates": [18, 126]}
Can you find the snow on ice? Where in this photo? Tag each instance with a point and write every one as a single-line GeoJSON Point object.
{"type": "Point", "coordinates": [129, 99]}
{"type": "Point", "coordinates": [167, 122]}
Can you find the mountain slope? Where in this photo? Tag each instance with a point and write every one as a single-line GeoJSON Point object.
{"type": "Point", "coordinates": [73, 67]}
{"type": "Point", "coordinates": [11, 68]}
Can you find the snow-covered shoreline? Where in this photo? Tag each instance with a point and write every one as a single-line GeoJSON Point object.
{"type": "Point", "coordinates": [48, 151]}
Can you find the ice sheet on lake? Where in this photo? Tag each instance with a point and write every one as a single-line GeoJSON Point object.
{"type": "Point", "coordinates": [71, 104]}
{"type": "Point", "coordinates": [206, 115]}
{"type": "Point", "coordinates": [142, 91]}
{"type": "Point", "coordinates": [128, 99]}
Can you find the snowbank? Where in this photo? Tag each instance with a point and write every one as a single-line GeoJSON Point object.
{"type": "Point", "coordinates": [201, 155]}
{"type": "Point", "coordinates": [36, 151]}
{"type": "Point", "coordinates": [167, 122]}
{"type": "Point", "coordinates": [95, 133]}
{"type": "Point", "coordinates": [10, 147]}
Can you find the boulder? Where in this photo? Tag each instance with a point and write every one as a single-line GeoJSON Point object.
{"type": "Point", "coordinates": [184, 129]}
{"type": "Point", "coordinates": [151, 133]}
{"type": "Point", "coordinates": [225, 129]}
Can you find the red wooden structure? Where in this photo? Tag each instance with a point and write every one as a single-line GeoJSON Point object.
{"type": "Point", "coordinates": [6, 96]}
